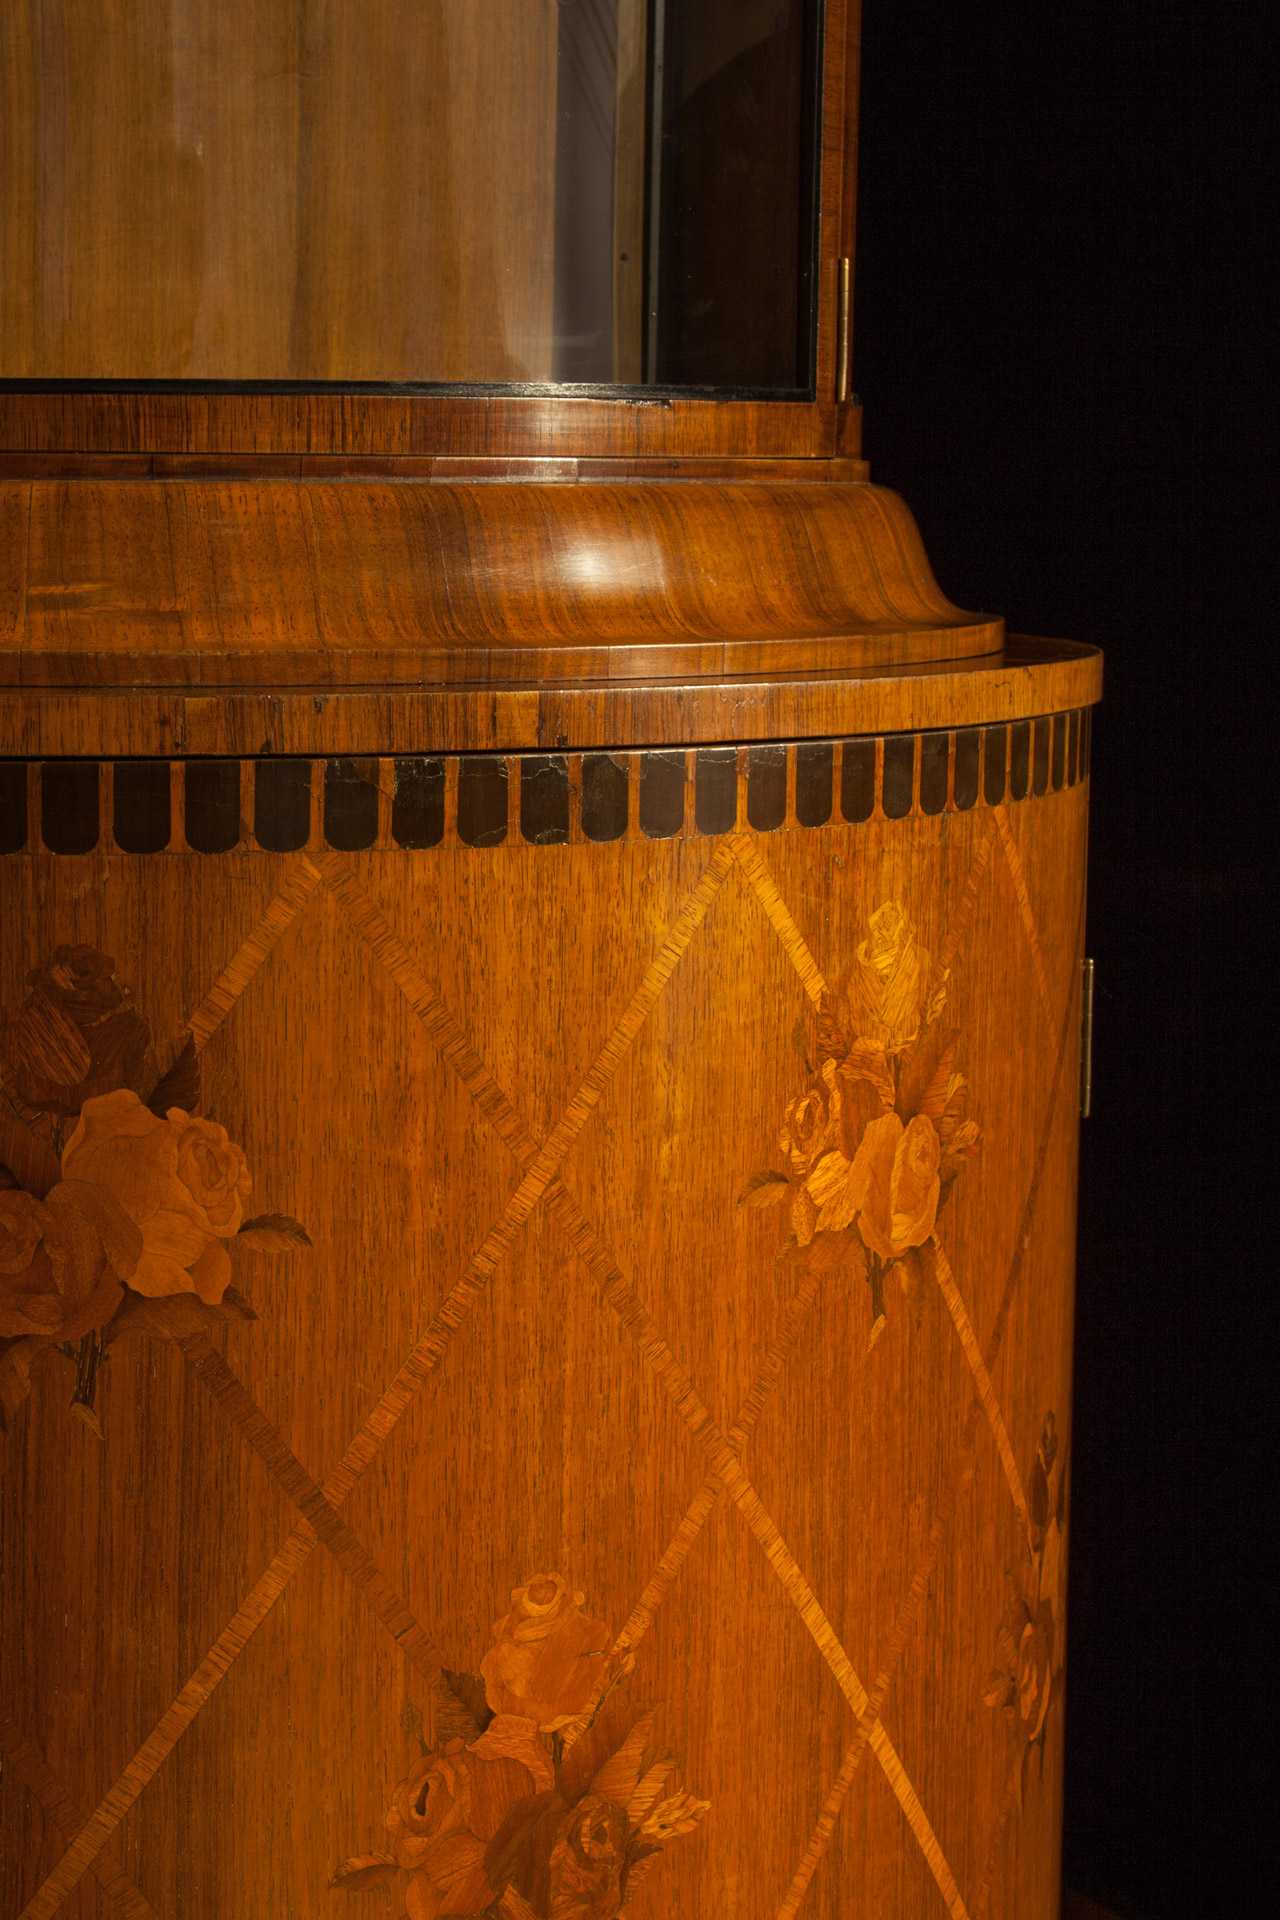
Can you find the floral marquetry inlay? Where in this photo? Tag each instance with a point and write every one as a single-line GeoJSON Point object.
{"type": "Point", "coordinates": [508, 1093]}
{"type": "Point", "coordinates": [540, 1796]}
{"type": "Point", "coordinates": [135, 1236]}
{"type": "Point", "coordinates": [876, 1140]}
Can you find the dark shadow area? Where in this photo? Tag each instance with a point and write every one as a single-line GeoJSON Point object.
{"type": "Point", "coordinates": [1064, 340]}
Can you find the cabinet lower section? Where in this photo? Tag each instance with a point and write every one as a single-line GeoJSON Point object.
{"type": "Point", "coordinates": [562, 1272]}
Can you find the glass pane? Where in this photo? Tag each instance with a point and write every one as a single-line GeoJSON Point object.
{"type": "Point", "coordinates": [408, 190]}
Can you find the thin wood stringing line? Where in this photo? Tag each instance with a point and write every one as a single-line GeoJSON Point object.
{"type": "Point", "coordinates": [289, 1474]}
{"type": "Point", "coordinates": [40, 1779]}
{"type": "Point", "coordinates": [251, 953]}
{"type": "Point", "coordinates": [982, 1381]}
{"type": "Point", "coordinates": [726, 1468]}
{"type": "Point", "coordinates": [1017, 873]}
{"type": "Point", "coordinates": [929, 1553]}
{"type": "Point", "coordinates": [762, 883]}
{"type": "Point", "coordinates": [389, 1409]}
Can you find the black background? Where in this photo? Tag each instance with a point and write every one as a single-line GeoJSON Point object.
{"type": "Point", "coordinates": [1064, 341]}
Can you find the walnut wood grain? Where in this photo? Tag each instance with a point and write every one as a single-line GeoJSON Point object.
{"type": "Point", "coordinates": [205, 583]}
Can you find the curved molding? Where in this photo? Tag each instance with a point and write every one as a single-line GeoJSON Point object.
{"type": "Point", "coordinates": [1027, 677]}
{"type": "Point", "coordinates": [287, 584]}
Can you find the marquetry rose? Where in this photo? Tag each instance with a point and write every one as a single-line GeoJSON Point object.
{"type": "Point", "coordinates": [588, 1861]}
{"type": "Point", "coordinates": [548, 1655]}
{"type": "Point", "coordinates": [75, 1036]}
{"type": "Point", "coordinates": [551, 1811]}
{"type": "Point", "coordinates": [63, 1260]}
{"type": "Point", "coordinates": [180, 1179]}
{"type": "Point", "coordinates": [876, 1139]}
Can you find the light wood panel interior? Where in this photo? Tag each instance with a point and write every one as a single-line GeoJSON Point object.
{"type": "Point", "coordinates": [277, 189]}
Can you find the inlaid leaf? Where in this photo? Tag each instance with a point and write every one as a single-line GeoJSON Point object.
{"type": "Point", "coordinates": [922, 1083]}
{"type": "Point", "coordinates": [86, 1414]}
{"type": "Point", "coordinates": [238, 1308]}
{"type": "Point", "coordinates": [620, 1774]}
{"type": "Point", "coordinates": [514, 1906]}
{"type": "Point", "coordinates": [174, 1316]}
{"type": "Point", "coordinates": [8, 1178]}
{"type": "Point", "coordinates": [45, 1039]}
{"type": "Point", "coordinates": [274, 1233]}
{"type": "Point", "coordinates": [764, 1190]}
{"type": "Point", "coordinates": [827, 1251]}
{"type": "Point", "coordinates": [180, 1087]}
{"type": "Point", "coordinates": [363, 1872]}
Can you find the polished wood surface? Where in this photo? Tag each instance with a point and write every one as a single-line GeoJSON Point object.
{"type": "Point", "coordinates": [539, 1043]}
{"type": "Point", "coordinates": [283, 193]}
{"type": "Point", "coordinates": [306, 584]}
{"type": "Point", "coordinates": [666, 1240]}
{"type": "Point", "coordinates": [277, 191]}
{"type": "Point", "coordinates": [1026, 677]}
{"type": "Point", "coordinates": [363, 425]}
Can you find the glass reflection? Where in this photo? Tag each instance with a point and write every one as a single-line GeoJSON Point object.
{"type": "Point", "coordinates": [434, 191]}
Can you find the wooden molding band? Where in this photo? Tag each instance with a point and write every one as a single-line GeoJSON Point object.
{"type": "Point", "coordinates": [499, 424]}
{"type": "Point", "coordinates": [205, 584]}
{"type": "Point", "coordinates": [1025, 678]}
{"type": "Point", "coordinates": [283, 804]}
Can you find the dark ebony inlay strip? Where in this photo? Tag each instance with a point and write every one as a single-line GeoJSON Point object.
{"type": "Point", "coordinates": [934, 755]}
{"type": "Point", "coordinates": [350, 803]}
{"type": "Point", "coordinates": [69, 805]}
{"type": "Point", "coordinates": [544, 799]}
{"type": "Point", "coordinates": [1073, 749]}
{"type": "Point", "coordinates": [964, 783]}
{"type": "Point", "coordinates": [1058, 754]}
{"type": "Point", "coordinates": [1019, 760]}
{"type": "Point", "coordinates": [767, 788]}
{"type": "Point", "coordinates": [1040, 758]}
{"type": "Point", "coordinates": [661, 794]}
{"type": "Point", "coordinates": [605, 789]}
{"type": "Point", "coordinates": [482, 800]}
{"type": "Point", "coordinates": [211, 805]}
{"type": "Point", "coordinates": [282, 804]}
{"type": "Point", "coordinates": [815, 766]}
{"type": "Point", "coordinates": [13, 806]}
{"type": "Point", "coordinates": [898, 782]}
{"type": "Point", "coordinates": [995, 755]}
{"type": "Point", "coordinates": [140, 805]}
{"type": "Point", "coordinates": [858, 780]}
{"type": "Point", "coordinates": [417, 802]}
{"type": "Point", "coordinates": [715, 789]}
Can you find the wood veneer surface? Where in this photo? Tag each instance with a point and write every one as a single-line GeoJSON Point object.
{"type": "Point", "coordinates": [287, 583]}
{"type": "Point", "coordinates": [1025, 677]}
{"type": "Point", "coordinates": [514, 1094]}
{"type": "Point", "coordinates": [248, 191]}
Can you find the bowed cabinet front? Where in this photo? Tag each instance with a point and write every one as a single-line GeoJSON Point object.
{"type": "Point", "coordinates": [536, 1297]}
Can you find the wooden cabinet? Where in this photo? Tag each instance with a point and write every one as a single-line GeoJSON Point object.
{"type": "Point", "coordinates": [540, 1012]}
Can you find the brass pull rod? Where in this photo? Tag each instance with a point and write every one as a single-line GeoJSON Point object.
{"type": "Point", "coordinates": [842, 332]}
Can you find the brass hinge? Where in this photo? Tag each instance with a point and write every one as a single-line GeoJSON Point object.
{"type": "Point", "coordinates": [842, 333]}
{"type": "Point", "coordinates": [1086, 1037]}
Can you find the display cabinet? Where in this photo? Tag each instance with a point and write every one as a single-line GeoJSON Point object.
{"type": "Point", "coordinates": [540, 1001]}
